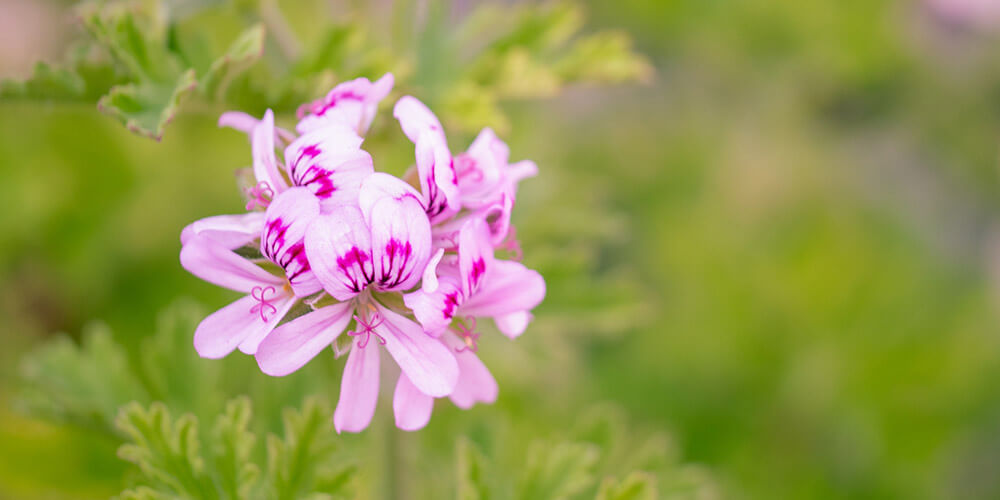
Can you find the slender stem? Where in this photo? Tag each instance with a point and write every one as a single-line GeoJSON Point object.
{"type": "Point", "coordinates": [277, 25]}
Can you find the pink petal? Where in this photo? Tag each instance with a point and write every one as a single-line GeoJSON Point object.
{"type": "Point", "coordinates": [223, 330]}
{"type": "Point", "coordinates": [411, 407]}
{"type": "Point", "coordinates": [513, 324]}
{"type": "Point", "coordinates": [400, 232]}
{"type": "Point", "coordinates": [480, 171]}
{"type": "Point", "coordinates": [475, 254]}
{"type": "Point", "coordinates": [230, 231]}
{"type": "Point", "coordinates": [358, 389]}
{"type": "Point", "coordinates": [330, 162]}
{"type": "Point", "coordinates": [338, 245]}
{"type": "Point", "coordinates": [282, 240]}
{"type": "Point", "coordinates": [428, 364]}
{"type": "Point", "coordinates": [292, 345]}
{"type": "Point", "coordinates": [429, 282]}
{"type": "Point", "coordinates": [438, 181]}
{"type": "Point", "coordinates": [475, 382]}
{"type": "Point", "coordinates": [436, 309]}
{"type": "Point", "coordinates": [415, 118]}
{"type": "Point", "coordinates": [246, 123]}
{"type": "Point", "coordinates": [214, 263]}
{"type": "Point", "coordinates": [265, 165]}
{"type": "Point", "coordinates": [507, 288]}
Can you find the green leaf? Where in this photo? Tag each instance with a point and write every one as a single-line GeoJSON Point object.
{"type": "Point", "coordinates": [84, 385]}
{"type": "Point", "coordinates": [636, 486]}
{"type": "Point", "coordinates": [558, 471]}
{"type": "Point", "coordinates": [146, 108]}
{"type": "Point", "coordinates": [309, 443]}
{"type": "Point", "coordinates": [244, 52]}
{"type": "Point", "coordinates": [140, 50]}
{"type": "Point", "coordinates": [233, 444]}
{"type": "Point", "coordinates": [166, 451]}
{"type": "Point", "coordinates": [471, 471]}
{"type": "Point", "coordinates": [45, 82]}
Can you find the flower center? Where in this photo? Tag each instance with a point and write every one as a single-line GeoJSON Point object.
{"type": "Point", "coordinates": [469, 336]}
{"type": "Point", "coordinates": [367, 322]}
{"type": "Point", "coordinates": [263, 305]}
{"type": "Point", "coordinates": [260, 195]}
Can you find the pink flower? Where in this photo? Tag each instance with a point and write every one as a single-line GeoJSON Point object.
{"type": "Point", "coordinates": [328, 161]}
{"type": "Point", "coordinates": [474, 284]}
{"type": "Point", "coordinates": [380, 245]}
{"type": "Point", "coordinates": [352, 103]}
{"type": "Point", "coordinates": [479, 180]}
{"type": "Point", "coordinates": [207, 252]}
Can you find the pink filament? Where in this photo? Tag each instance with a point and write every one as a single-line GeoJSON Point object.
{"type": "Point", "coordinates": [264, 307]}
{"type": "Point", "coordinates": [469, 336]}
{"type": "Point", "coordinates": [511, 245]}
{"type": "Point", "coordinates": [260, 195]}
{"type": "Point", "coordinates": [368, 329]}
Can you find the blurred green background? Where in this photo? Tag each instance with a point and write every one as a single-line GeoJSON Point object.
{"type": "Point", "coordinates": [782, 251]}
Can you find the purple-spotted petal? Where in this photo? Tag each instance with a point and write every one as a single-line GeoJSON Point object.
{"type": "Point", "coordinates": [479, 169]}
{"type": "Point", "coordinates": [339, 248]}
{"type": "Point", "coordinates": [230, 231]}
{"type": "Point", "coordinates": [265, 165]}
{"type": "Point", "coordinates": [507, 288]}
{"type": "Point", "coordinates": [475, 254]}
{"type": "Point", "coordinates": [330, 163]}
{"type": "Point", "coordinates": [282, 240]}
{"type": "Point", "coordinates": [214, 263]}
{"type": "Point", "coordinates": [358, 389]}
{"type": "Point", "coordinates": [225, 329]}
{"type": "Point", "coordinates": [428, 363]}
{"type": "Point", "coordinates": [435, 310]}
{"type": "Point", "coordinates": [438, 181]}
{"type": "Point", "coordinates": [411, 407]}
{"type": "Point", "coordinates": [400, 232]}
{"type": "Point", "coordinates": [415, 118]}
{"type": "Point", "coordinates": [292, 345]}
{"type": "Point", "coordinates": [475, 382]}
{"type": "Point", "coordinates": [352, 103]}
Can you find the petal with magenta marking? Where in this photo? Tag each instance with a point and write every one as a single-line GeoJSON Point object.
{"type": "Point", "coordinates": [282, 240]}
{"type": "Point", "coordinates": [339, 248]}
{"type": "Point", "coordinates": [216, 264]}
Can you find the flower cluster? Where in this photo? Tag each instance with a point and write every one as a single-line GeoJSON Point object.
{"type": "Point", "coordinates": [404, 266]}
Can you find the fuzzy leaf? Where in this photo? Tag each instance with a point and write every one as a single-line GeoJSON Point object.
{"type": "Point", "coordinates": [84, 385]}
{"type": "Point", "coordinates": [140, 50]}
{"type": "Point", "coordinates": [244, 52]}
{"type": "Point", "coordinates": [559, 471]}
{"type": "Point", "coordinates": [45, 82]}
{"type": "Point", "coordinates": [232, 447]}
{"type": "Point", "coordinates": [146, 108]}
{"type": "Point", "coordinates": [636, 486]}
{"type": "Point", "coordinates": [309, 442]}
{"type": "Point", "coordinates": [166, 451]}
{"type": "Point", "coordinates": [471, 470]}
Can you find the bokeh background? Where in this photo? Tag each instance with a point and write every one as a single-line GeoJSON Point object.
{"type": "Point", "coordinates": [782, 251]}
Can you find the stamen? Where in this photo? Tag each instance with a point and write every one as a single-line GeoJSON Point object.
{"type": "Point", "coordinates": [264, 307]}
{"type": "Point", "coordinates": [260, 195]}
{"type": "Point", "coordinates": [368, 328]}
{"type": "Point", "coordinates": [511, 245]}
{"type": "Point", "coordinates": [469, 336]}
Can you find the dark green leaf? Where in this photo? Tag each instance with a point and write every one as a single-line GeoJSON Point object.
{"type": "Point", "coordinates": [146, 108]}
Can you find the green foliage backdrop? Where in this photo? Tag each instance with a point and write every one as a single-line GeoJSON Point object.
{"type": "Point", "coordinates": [775, 259]}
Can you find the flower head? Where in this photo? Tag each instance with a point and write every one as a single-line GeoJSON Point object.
{"type": "Point", "coordinates": [401, 268]}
